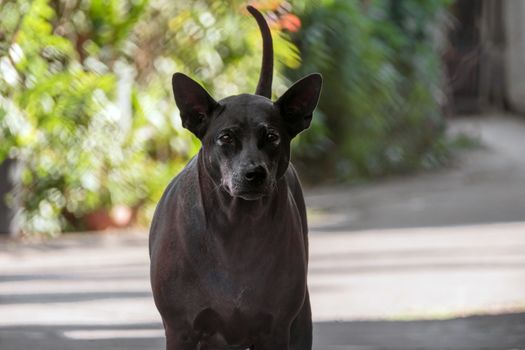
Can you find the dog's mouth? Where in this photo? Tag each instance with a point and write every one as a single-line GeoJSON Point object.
{"type": "Point", "coordinates": [246, 190]}
{"type": "Point", "coordinates": [249, 195]}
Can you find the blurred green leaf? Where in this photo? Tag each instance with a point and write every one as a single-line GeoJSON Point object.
{"type": "Point", "coordinates": [379, 105]}
{"type": "Point", "coordinates": [86, 105]}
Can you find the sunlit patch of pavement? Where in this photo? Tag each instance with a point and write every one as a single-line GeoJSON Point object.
{"type": "Point", "coordinates": [418, 272]}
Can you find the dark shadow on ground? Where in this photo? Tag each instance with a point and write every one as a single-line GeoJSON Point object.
{"type": "Point", "coordinates": [57, 338]}
{"type": "Point", "coordinates": [415, 253]}
{"type": "Point", "coordinates": [123, 273]}
{"type": "Point", "coordinates": [71, 297]}
{"type": "Point", "coordinates": [483, 266]}
{"type": "Point", "coordinates": [505, 331]}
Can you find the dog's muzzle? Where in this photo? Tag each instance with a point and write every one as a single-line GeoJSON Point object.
{"type": "Point", "coordinates": [250, 184]}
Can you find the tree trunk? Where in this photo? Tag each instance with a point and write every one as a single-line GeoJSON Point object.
{"type": "Point", "coordinates": [8, 180]}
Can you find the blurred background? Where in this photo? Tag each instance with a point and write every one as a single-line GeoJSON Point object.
{"type": "Point", "coordinates": [413, 167]}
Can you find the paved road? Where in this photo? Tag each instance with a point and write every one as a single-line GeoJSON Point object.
{"type": "Point", "coordinates": [428, 262]}
{"type": "Point", "coordinates": [377, 289]}
{"type": "Point", "coordinates": [486, 185]}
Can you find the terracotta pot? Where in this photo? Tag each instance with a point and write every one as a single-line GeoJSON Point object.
{"type": "Point", "coordinates": [102, 219]}
{"type": "Point", "coordinates": [98, 220]}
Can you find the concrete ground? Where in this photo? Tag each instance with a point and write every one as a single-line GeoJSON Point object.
{"type": "Point", "coordinates": [433, 261]}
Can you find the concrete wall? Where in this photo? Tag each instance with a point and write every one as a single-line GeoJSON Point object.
{"type": "Point", "coordinates": [514, 21]}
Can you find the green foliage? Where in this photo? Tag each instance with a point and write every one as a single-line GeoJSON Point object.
{"type": "Point", "coordinates": [379, 112]}
{"type": "Point", "coordinates": [86, 105]}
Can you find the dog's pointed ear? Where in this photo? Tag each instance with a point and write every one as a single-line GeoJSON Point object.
{"type": "Point", "coordinates": [298, 103]}
{"type": "Point", "coordinates": [194, 102]}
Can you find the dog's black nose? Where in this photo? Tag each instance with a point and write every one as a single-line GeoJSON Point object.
{"type": "Point", "coordinates": [255, 175]}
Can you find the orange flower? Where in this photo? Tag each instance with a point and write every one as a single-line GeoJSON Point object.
{"type": "Point", "coordinates": [290, 22]}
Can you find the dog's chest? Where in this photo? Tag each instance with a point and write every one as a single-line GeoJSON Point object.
{"type": "Point", "coordinates": [251, 261]}
{"type": "Point", "coordinates": [252, 267]}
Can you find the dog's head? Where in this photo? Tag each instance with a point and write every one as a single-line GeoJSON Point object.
{"type": "Point", "coordinates": [246, 138]}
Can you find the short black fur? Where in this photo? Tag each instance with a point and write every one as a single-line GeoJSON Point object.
{"type": "Point", "coordinates": [229, 238]}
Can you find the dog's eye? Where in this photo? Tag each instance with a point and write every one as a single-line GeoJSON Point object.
{"type": "Point", "coordinates": [271, 137]}
{"type": "Point", "coordinates": [226, 138]}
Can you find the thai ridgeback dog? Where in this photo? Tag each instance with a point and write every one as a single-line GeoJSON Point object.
{"type": "Point", "coordinates": [228, 241]}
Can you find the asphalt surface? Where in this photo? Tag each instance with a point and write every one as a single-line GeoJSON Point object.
{"type": "Point", "coordinates": [485, 185]}
{"type": "Point", "coordinates": [433, 261]}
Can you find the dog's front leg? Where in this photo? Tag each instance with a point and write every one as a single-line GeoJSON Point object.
{"type": "Point", "coordinates": [179, 339]}
{"type": "Point", "coordinates": [176, 342]}
{"type": "Point", "coordinates": [301, 330]}
{"type": "Point", "coordinates": [276, 341]}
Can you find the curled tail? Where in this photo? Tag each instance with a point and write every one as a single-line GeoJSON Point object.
{"type": "Point", "coordinates": [264, 86]}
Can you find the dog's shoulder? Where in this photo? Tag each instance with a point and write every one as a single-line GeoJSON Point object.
{"type": "Point", "coordinates": [296, 192]}
{"type": "Point", "coordinates": [182, 185]}
{"type": "Point", "coordinates": [292, 179]}
{"type": "Point", "coordinates": [180, 193]}
{"type": "Point", "coordinates": [295, 188]}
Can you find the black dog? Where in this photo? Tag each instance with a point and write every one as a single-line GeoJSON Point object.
{"type": "Point", "coordinates": [228, 242]}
